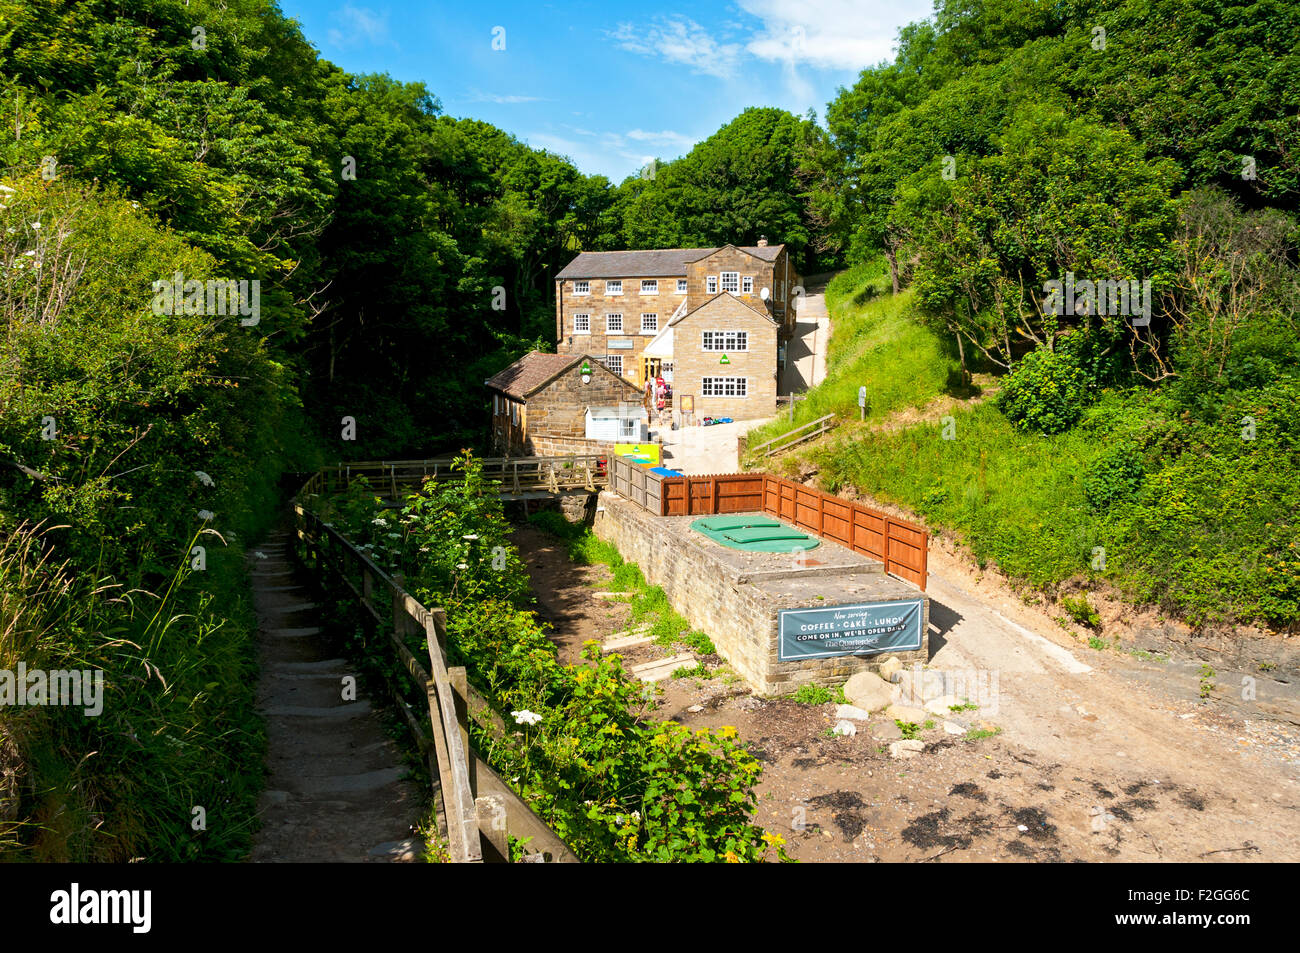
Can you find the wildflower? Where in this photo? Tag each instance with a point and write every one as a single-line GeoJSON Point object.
{"type": "Point", "coordinates": [36, 224]}
{"type": "Point", "coordinates": [259, 554]}
{"type": "Point", "coordinates": [526, 717]}
{"type": "Point", "coordinates": [379, 521]}
{"type": "Point", "coordinates": [204, 478]}
{"type": "Point", "coordinates": [730, 857]}
{"type": "Point", "coordinates": [462, 565]}
{"type": "Point", "coordinates": [774, 840]}
{"type": "Point", "coordinates": [726, 731]}
{"type": "Point", "coordinates": [29, 254]}
{"type": "Point", "coordinates": [206, 514]}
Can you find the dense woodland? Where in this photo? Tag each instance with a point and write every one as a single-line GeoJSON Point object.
{"type": "Point", "coordinates": [1009, 142]}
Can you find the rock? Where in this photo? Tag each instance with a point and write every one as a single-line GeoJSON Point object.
{"type": "Point", "coordinates": [696, 708]}
{"type": "Point", "coordinates": [906, 714]}
{"type": "Point", "coordinates": [844, 727]}
{"type": "Point", "coordinates": [399, 851]}
{"type": "Point", "coordinates": [868, 691]}
{"type": "Point", "coordinates": [954, 728]}
{"type": "Point", "coordinates": [852, 712]}
{"type": "Point", "coordinates": [888, 731]}
{"type": "Point", "coordinates": [888, 667]}
{"type": "Point", "coordinates": [939, 706]}
{"type": "Point", "coordinates": [749, 703]}
{"type": "Point", "coordinates": [908, 748]}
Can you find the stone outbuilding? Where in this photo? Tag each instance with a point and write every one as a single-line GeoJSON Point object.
{"type": "Point", "coordinates": [540, 402]}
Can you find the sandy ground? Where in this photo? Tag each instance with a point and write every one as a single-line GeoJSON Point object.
{"type": "Point", "coordinates": [1094, 755]}
{"type": "Point", "coordinates": [703, 450]}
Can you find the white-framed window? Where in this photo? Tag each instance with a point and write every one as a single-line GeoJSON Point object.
{"type": "Point", "coordinates": [726, 340]}
{"type": "Point", "coordinates": [681, 286]}
{"type": "Point", "coordinates": [747, 285]}
{"type": "Point", "coordinates": [628, 426]}
{"type": "Point", "coordinates": [649, 323]}
{"type": "Point", "coordinates": [514, 413]}
{"type": "Point", "coordinates": [615, 363]}
{"type": "Point", "coordinates": [614, 287]}
{"type": "Point", "coordinates": [731, 281]}
{"type": "Point", "coordinates": [724, 387]}
{"type": "Point", "coordinates": [613, 323]}
{"type": "Point", "coordinates": [582, 324]}
{"type": "Point", "coordinates": [496, 405]}
{"type": "Point", "coordinates": [649, 286]}
{"type": "Point", "coordinates": [711, 285]}
{"type": "Point", "coordinates": [582, 287]}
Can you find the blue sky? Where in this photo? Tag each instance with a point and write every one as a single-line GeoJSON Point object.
{"type": "Point", "coordinates": [613, 84]}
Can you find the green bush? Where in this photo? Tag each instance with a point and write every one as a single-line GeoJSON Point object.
{"type": "Point", "coordinates": [1081, 611]}
{"type": "Point", "coordinates": [1045, 392]}
{"type": "Point", "coordinates": [1113, 477]}
{"type": "Point", "coordinates": [812, 694]}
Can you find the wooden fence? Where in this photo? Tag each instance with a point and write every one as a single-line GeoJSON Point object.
{"type": "Point", "coordinates": [902, 546]}
{"type": "Point", "coordinates": [814, 428]}
{"type": "Point", "coordinates": [477, 810]}
{"type": "Point", "coordinates": [573, 472]}
{"type": "Point", "coordinates": [635, 483]}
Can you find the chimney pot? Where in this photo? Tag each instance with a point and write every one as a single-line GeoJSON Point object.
{"type": "Point", "coordinates": [762, 241]}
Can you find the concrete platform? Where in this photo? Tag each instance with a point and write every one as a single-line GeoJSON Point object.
{"type": "Point", "coordinates": [737, 597]}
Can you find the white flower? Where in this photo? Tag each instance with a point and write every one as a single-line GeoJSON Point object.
{"type": "Point", "coordinates": [204, 478]}
{"type": "Point", "coordinates": [526, 717]}
{"type": "Point", "coordinates": [470, 536]}
{"type": "Point", "coordinates": [36, 224]}
{"type": "Point", "coordinates": [206, 514]}
{"type": "Point", "coordinates": [462, 565]}
{"type": "Point", "coordinates": [379, 521]}
{"type": "Point", "coordinates": [259, 554]}
{"type": "Point", "coordinates": [5, 189]}
{"type": "Point", "coordinates": [29, 254]}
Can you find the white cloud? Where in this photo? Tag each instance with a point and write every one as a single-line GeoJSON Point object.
{"type": "Point", "coordinates": [478, 96]}
{"type": "Point", "coordinates": [679, 39]}
{"type": "Point", "coordinates": [357, 25]}
{"type": "Point", "coordinates": [830, 34]}
{"type": "Point", "coordinates": [666, 137]}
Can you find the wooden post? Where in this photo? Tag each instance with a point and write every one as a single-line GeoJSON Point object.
{"type": "Point", "coordinates": [460, 686]}
{"type": "Point", "coordinates": [821, 512]}
{"type": "Point", "coordinates": [714, 490]}
{"type": "Point", "coordinates": [490, 810]}
{"type": "Point", "coordinates": [392, 472]}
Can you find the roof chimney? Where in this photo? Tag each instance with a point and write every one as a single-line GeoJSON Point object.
{"type": "Point", "coordinates": [762, 241]}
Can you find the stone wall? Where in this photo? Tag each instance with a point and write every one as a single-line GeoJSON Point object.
{"type": "Point", "coordinates": [559, 409]}
{"type": "Point", "coordinates": [758, 364]}
{"type": "Point", "coordinates": [729, 258]}
{"type": "Point", "coordinates": [737, 606]}
{"type": "Point", "coordinates": [563, 446]}
{"type": "Point", "coordinates": [631, 304]}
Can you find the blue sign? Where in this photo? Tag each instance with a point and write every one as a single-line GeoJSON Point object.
{"type": "Point", "coordinates": [866, 629]}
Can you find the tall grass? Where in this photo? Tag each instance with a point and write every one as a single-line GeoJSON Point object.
{"type": "Point", "coordinates": [875, 344]}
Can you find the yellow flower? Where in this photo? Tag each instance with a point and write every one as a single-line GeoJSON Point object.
{"type": "Point", "coordinates": [726, 731]}
{"type": "Point", "coordinates": [730, 857]}
{"type": "Point", "coordinates": [774, 840]}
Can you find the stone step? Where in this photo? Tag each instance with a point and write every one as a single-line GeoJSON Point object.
{"type": "Point", "coordinates": [295, 633]}
{"type": "Point", "coordinates": [322, 665]}
{"type": "Point", "coordinates": [334, 712]}
{"type": "Point", "coordinates": [660, 669]}
{"type": "Point", "coordinates": [364, 783]}
{"type": "Point", "coordinates": [295, 607]}
{"type": "Point", "coordinates": [613, 644]}
{"type": "Point", "coordinates": [290, 588]}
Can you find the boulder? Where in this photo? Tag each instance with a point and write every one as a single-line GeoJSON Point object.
{"type": "Point", "coordinates": [888, 667]}
{"type": "Point", "coordinates": [852, 712]}
{"type": "Point", "coordinates": [868, 691]}
{"type": "Point", "coordinates": [954, 728]}
{"type": "Point", "coordinates": [906, 714]}
{"type": "Point", "coordinates": [908, 748]}
{"type": "Point", "coordinates": [886, 731]}
{"type": "Point", "coordinates": [940, 705]}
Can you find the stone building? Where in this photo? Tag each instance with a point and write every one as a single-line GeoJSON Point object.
{"type": "Point", "coordinates": [613, 304]}
{"type": "Point", "coordinates": [539, 403]}
{"type": "Point", "coordinates": [724, 355]}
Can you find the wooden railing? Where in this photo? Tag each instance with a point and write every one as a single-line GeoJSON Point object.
{"type": "Point", "coordinates": [477, 810]}
{"type": "Point", "coordinates": [901, 545]}
{"type": "Point", "coordinates": [796, 436]}
{"type": "Point", "coordinates": [515, 474]}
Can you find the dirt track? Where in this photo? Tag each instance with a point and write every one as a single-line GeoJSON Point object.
{"type": "Point", "coordinates": [1100, 755]}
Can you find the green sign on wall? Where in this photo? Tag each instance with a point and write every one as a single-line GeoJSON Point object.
{"type": "Point", "coordinates": [866, 629]}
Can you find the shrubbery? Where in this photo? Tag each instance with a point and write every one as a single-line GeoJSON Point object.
{"type": "Point", "coordinates": [1045, 392]}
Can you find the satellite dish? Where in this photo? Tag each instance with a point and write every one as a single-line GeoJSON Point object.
{"type": "Point", "coordinates": [764, 293]}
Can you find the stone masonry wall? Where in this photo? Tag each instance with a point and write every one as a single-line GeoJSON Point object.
{"type": "Point", "coordinates": [692, 363]}
{"type": "Point", "coordinates": [559, 409]}
{"type": "Point", "coordinates": [631, 304]}
{"type": "Point", "coordinates": [740, 616]}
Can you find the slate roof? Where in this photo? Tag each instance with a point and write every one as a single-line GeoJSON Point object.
{"type": "Point", "coordinates": [530, 372]}
{"type": "Point", "coordinates": [652, 263]}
